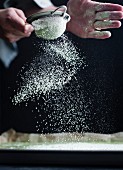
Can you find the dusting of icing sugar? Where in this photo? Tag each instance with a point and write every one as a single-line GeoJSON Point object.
{"type": "Point", "coordinates": [50, 70]}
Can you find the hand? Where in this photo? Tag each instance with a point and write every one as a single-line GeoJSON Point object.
{"type": "Point", "coordinates": [13, 25]}
{"type": "Point", "coordinates": [90, 19]}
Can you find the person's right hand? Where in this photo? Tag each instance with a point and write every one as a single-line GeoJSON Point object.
{"type": "Point", "coordinates": [13, 25]}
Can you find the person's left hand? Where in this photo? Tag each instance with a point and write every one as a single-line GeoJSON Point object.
{"type": "Point", "coordinates": [90, 19]}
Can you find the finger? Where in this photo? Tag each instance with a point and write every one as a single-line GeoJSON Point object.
{"type": "Point", "coordinates": [109, 15]}
{"type": "Point", "coordinates": [13, 38]}
{"type": "Point", "coordinates": [20, 37]}
{"type": "Point", "coordinates": [99, 34]}
{"type": "Point", "coordinates": [28, 28]}
{"type": "Point", "coordinates": [16, 32]}
{"type": "Point", "coordinates": [23, 35]}
{"type": "Point", "coordinates": [108, 7]}
{"type": "Point", "coordinates": [21, 14]}
{"type": "Point", "coordinates": [99, 25]}
{"type": "Point", "coordinates": [16, 21]}
{"type": "Point", "coordinates": [19, 34]}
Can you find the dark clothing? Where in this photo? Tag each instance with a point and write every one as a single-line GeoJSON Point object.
{"type": "Point", "coordinates": [1, 3]}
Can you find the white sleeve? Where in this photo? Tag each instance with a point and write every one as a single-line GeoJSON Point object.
{"type": "Point", "coordinates": [43, 3]}
{"type": "Point", "coordinates": [22, 4]}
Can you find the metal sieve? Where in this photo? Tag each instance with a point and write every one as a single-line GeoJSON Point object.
{"type": "Point", "coordinates": [50, 24]}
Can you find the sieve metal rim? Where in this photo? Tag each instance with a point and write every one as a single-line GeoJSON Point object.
{"type": "Point", "coordinates": [39, 15]}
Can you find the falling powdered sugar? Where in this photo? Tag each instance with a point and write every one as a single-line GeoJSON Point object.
{"type": "Point", "coordinates": [53, 67]}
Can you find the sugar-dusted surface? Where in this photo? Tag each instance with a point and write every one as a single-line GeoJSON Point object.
{"type": "Point", "coordinates": [79, 146]}
{"type": "Point", "coordinates": [62, 141]}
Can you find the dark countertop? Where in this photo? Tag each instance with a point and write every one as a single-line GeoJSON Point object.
{"type": "Point", "coordinates": [55, 168]}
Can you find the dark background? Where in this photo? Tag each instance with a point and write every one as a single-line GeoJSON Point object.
{"type": "Point", "coordinates": [103, 83]}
